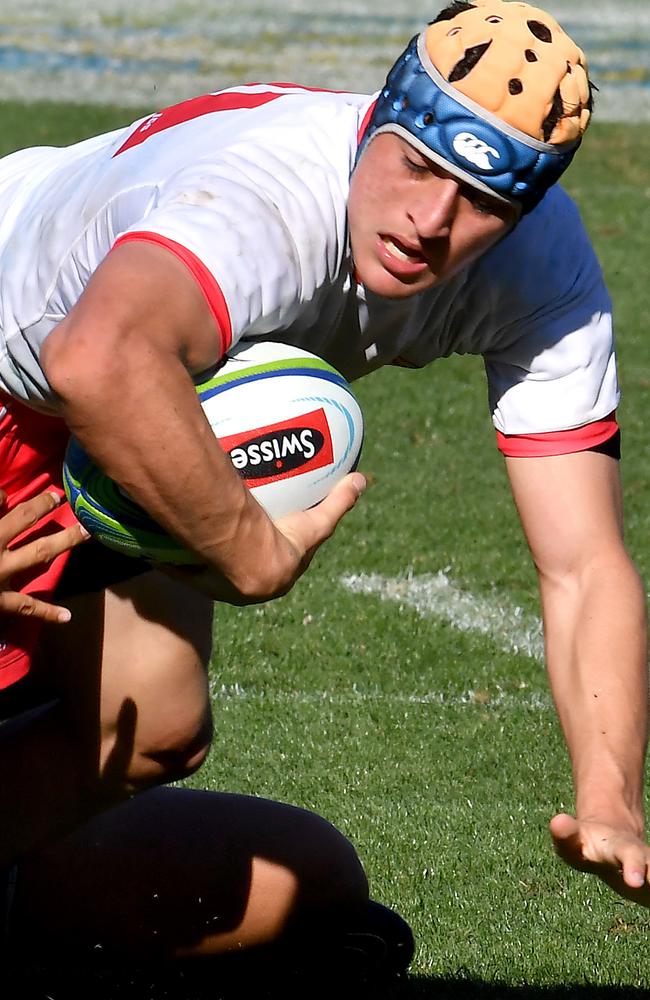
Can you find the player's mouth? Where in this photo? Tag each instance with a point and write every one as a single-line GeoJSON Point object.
{"type": "Point", "coordinates": [403, 260]}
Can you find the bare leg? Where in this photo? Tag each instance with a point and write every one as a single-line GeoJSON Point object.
{"type": "Point", "coordinates": [136, 690]}
{"type": "Point", "coordinates": [129, 671]}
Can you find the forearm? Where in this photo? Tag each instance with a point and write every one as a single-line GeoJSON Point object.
{"type": "Point", "coordinates": [595, 627]}
{"type": "Point", "coordinates": [156, 444]}
{"type": "Point", "coordinates": [595, 630]}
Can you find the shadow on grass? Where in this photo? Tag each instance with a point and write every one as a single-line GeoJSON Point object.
{"type": "Point", "coordinates": [435, 988]}
{"type": "Point", "coordinates": [204, 982]}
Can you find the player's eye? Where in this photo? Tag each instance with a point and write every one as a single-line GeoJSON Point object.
{"type": "Point", "coordinates": [415, 167]}
{"type": "Point", "coordinates": [482, 203]}
{"type": "Point", "coordinates": [484, 206]}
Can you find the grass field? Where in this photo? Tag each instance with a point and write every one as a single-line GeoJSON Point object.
{"type": "Point", "coordinates": [398, 689]}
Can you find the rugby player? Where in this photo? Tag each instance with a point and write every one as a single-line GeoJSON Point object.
{"type": "Point", "coordinates": [388, 229]}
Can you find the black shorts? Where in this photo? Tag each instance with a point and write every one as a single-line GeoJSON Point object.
{"type": "Point", "coordinates": [93, 567]}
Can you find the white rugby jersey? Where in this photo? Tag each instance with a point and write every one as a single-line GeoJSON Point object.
{"type": "Point", "coordinates": [248, 187]}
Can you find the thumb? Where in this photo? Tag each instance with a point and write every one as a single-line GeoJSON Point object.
{"type": "Point", "coordinates": [313, 526]}
{"type": "Point", "coordinates": [341, 499]}
{"type": "Point", "coordinates": [344, 495]}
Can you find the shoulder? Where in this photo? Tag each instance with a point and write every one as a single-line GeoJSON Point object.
{"type": "Point", "coordinates": [554, 236]}
{"type": "Point", "coordinates": [272, 181]}
{"type": "Point", "coordinates": [550, 355]}
{"type": "Point", "coordinates": [319, 124]}
{"type": "Point", "coordinates": [547, 261]}
{"type": "Point", "coordinates": [277, 149]}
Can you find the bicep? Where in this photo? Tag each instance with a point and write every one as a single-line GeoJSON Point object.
{"type": "Point", "coordinates": [570, 508]}
{"type": "Point", "coordinates": [141, 297]}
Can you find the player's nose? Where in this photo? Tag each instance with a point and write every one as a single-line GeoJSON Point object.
{"type": "Point", "coordinates": [433, 212]}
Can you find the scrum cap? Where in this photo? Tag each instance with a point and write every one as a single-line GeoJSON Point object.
{"type": "Point", "coordinates": [495, 92]}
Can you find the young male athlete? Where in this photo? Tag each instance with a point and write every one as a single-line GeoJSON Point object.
{"type": "Point", "coordinates": [393, 229]}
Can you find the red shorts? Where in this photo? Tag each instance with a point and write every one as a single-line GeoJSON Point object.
{"type": "Point", "coordinates": [32, 446]}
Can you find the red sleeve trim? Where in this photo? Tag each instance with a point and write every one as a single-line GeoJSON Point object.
{"type": "Point", "coordinates": [204, 278]}
{"type": "Point", "coordinates": [558, 442]}
{"type": "Point", "coordinates": [195, 107]}
{"type": "Point", "coordinates": [366, 121]}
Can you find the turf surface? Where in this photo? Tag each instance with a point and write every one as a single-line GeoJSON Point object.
{"type": "Point", "coordinates": [433, 745]}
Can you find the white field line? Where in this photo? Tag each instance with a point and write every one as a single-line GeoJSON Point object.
{"type": "Point", "coordinates": [495, 698]}
{"type": "Point", "coordinates": [435, 596]}
{"type": "Point", "coordinates": [431, 596]}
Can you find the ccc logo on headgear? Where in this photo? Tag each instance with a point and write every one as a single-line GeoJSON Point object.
{"type": "Point", "coordinates": [475, 150]}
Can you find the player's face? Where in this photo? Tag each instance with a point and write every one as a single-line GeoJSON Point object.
{"type": "Point", "coordinates": [412, 224]}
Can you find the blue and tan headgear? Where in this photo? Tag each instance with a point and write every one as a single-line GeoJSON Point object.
{"type": "Point", "coordinates": [475, 93]}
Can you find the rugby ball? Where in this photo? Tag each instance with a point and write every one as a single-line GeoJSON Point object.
{"type": "Point", "coordinates": [286, 418]}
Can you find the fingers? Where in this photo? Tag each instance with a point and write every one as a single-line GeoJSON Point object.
{"type": "Point", "coordinates": [42, 550]}
{"type": "Point", "coordinates": [563, 825]}
{"type": "Point", "coordinates": [563, 828]}
{"type": "Point", "coordinates": [327, 514]}
{"type": "Point", "coordinates": [618, 857]}
{"type": "Point", "coordinates": [303, 532]}
{"type": "Point", "coordinates": [38, 552]}
{"type": "Point", "coordinates": [344, 496]}
{"type": "Point", "coordinates": [14, 603]}
{"type": "Point", "coordinates": [588, 846]}
{"type": "Point", "coordinates": [634, 867]}
{"type": "Point", "coordinates": [565, 831]}
{"type": "Point", "coordinates": [25, 515]}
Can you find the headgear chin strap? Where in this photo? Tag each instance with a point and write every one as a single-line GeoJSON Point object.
{"type": "Point", "coordinates": [450, 128]}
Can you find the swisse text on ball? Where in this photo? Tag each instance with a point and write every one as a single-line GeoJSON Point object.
{"type": "Point", "coordinates": [267, 455]}
{"type": "Point", "coordinates": [282, 450]}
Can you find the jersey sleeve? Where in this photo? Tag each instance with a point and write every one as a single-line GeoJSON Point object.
{"type": "Point", "coordinates": [259, 239]}
{"type": "Point", "coordinates": [553, 386]}
{"type": "Point", "coordinates": [600, 435]}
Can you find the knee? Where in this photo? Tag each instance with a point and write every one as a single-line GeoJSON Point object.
{"type": "Point", "coordinates": [332, 874]}
{"type": "Point", "coordinates": [179, 758]}
{"type": "Point", "coordinates": [174, 755]}
{"type": "Point", "coordinates": [158, 751]}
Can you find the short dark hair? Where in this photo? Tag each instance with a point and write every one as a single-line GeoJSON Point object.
{"type": "Point", "coordinates": [451, 10]}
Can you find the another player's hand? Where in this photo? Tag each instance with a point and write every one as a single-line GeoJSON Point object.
{"type": "Point", "coordinates": [615, 854]}
{"type": "Point", "coordinates": [301, 536]}
{"type": "Point", "coordinates": [31, 554]}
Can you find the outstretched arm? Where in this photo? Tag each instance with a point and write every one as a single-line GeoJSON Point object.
{"type": "Point", "coordinates": [593, 606]}
{"type": "Point", "coordinates": [142, 321]}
